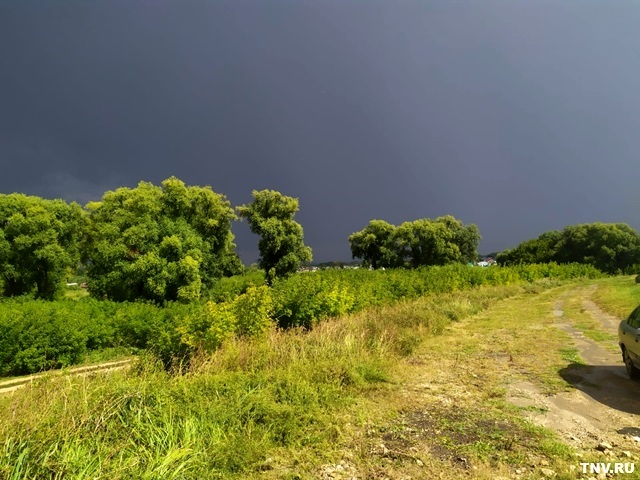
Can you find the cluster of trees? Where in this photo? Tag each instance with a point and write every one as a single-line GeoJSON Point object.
{"type": "Point", "coordinates": [610, 247]}
{"type": "Point", "coordinates": [159, 243]}
{"type": "Point", "coordinates": [173, 242]}
{"type": "Point", "coordinates": [414, 244]}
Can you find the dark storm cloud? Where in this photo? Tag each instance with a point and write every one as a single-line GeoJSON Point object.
{"type": "Point", "coordinates": [517, 116]}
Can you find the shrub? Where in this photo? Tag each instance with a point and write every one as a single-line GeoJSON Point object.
{"type": "Point", "coordinates": [253, 311]}
{"type": "Point", "coordinates": [37, 335]}
{"type": "Point", "coordinates": [209, 328]}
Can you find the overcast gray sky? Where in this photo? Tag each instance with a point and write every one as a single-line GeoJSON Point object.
{"type": "Point", "coordinates": [518, 116]}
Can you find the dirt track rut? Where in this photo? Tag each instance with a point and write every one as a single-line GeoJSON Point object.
{"type": "Point", "coordinates": [605, 405]}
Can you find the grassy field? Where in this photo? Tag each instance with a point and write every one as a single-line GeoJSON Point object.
{"type": "Point", "coordinates": [618, 296]}
{"type": "Point", "coordinates": [414, 390]}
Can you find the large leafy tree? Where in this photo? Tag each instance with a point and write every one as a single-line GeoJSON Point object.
{"type": "Point", "coordinates": [610, 247]}
{"type": "Point", "coordinates": [373, 244]}
{"type": "Point", "coordinates": [159, 243]}
{"type": "Point", "coordinates": [39, 243]}
{"type": "Point", "coordinates": [425, 242]}
{"type": "Point", "coordinates": [436, 242]}
{"type": "Point", "coordinates": [465, 237]}
{"type": "Point", "coordinates": [414, 244]}
{"type": "Point", "coordinates": [281, 244]}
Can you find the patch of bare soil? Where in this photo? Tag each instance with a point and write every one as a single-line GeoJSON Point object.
{"type": "Point", "coordinates": [447, 432]}
{"type": "Point", "coordinates": [604, 407]}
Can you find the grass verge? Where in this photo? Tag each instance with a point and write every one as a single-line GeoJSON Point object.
{"type": "Point", "coordinates": [617, 296]}
{"type": "Point", "coordinates": [579, 316]}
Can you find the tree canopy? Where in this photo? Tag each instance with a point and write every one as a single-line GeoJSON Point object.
{"type": "Point", "coordinates": [159, 242]}
{"type": "Point", "coordinates": [281, 244]}
{"type": "Point", "coordinates": [39, 242]}
{"type": "Point", "coordinates": [374, 244]}
{"type": "Point", "coordinates": [538, 250]}
{"type": "Point", "coordinates": [414, 244]}
{"type": "Point", "coordinates": [610, 247]}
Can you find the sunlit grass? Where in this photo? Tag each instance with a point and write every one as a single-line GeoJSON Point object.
{"type": "Point", "coordinates": [617, 296]}
{"type": "Point", "coordinates": [75, 293]}
{"type": "Point", "coordinates": [392, 392]}
{"type": "Point", "coordinates": [275, 405]}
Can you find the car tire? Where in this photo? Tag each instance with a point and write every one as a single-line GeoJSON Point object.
{"type": "Point", "coordinates": [632, 370]}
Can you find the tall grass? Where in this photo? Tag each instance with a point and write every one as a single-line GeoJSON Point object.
{"type": "Point", "coordinates": [253, 408]}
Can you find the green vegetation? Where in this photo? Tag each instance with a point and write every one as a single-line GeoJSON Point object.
{"type": "Point", "coordinates": [423, 380]}
{"type": "Point", "coordinates": [305, 299]}
{"type": "Point", "coordinates": [374, 244]}
{"type": "Point", "coordinates": [618, 296]}
{"type": "Point", "coordinates": [610, 247]}
{"type": "Point", "coordinates": [414, 244]}
{"type": "Point", "coordinates": [40, 335]}
{"type": "Point", "coordinates": [39, 243]}
{"type": "Point", "coordinates": [281, 245]}
{"type": "Point", "coordinates": [159, 243]}
{"type": "Point", "coordinates": [265, 374]}
{"type": "Point", "coordinates": [252, 407]}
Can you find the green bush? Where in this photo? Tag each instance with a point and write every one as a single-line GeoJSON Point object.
{"type": "Point", "coordinates": [37, 335]}
{"type": "Point", "coordinates": [253, 311]}
{"type": "Point", "coordinates": [228, 288]}
{"type": "Point", "coordinates": [208, 328]}
{"type": "Point", "coordinates": [304, 299]}
{"type": "Point", "coordinates": [249, 314]}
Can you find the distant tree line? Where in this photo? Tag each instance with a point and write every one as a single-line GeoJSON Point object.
{"type": "Point", "coordinates": [610, 247]}
{"type": "Point", "coordinates": [173, 242]}
{"type": "Point", "coordinates": [159, 243]}
{"type": "Point", "coordinates": [414, 244]}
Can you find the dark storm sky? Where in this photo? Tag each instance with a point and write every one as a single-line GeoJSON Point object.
{"type": "Point", "coordinates": [519, 116]}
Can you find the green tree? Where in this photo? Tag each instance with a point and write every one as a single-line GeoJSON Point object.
{"type": "Point", "coordinates": [159, 243]}
{"type": "Point", "coordinates": [538, 250]}
{"type": "Point", "coordinates": [374, 244]}
{"type": "Point", "coordinates": [610, 247]}
{"type": "Point", "coordinates": [39, 243]}
{"type": "Point", "coordinates": [465, 237]}
{"type": "Point", "coordinates": [418, 243]}
{"type": "Point", "coordinates": [281, 244]}
{"type": "Point", "coordinates": [427, 242]}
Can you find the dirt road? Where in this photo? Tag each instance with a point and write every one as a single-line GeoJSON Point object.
{"type": "Point", "coordinates": [605, 405]}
